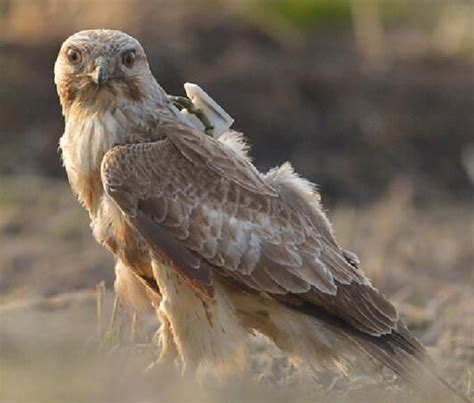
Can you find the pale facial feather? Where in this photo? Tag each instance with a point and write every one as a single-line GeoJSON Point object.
{"type": "Point", "coordinates": [98, 117]}
{"type": "Point", "coordinates": [126, 83]}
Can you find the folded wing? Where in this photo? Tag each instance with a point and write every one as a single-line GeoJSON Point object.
{"type": "Point", "coordinates": [206, 207]}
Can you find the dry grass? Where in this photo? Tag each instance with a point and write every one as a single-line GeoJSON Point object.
{"type": "Point", "coordinates": [49, 267]}
{"type": "Point", "coordinates": [352, 131]}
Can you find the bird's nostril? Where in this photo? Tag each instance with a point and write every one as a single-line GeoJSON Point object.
{"type": "Point", "coordinates": [100, 75]}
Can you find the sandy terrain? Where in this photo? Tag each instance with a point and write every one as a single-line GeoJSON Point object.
{"type": "Point", "coordinates": [50, 266]}
{"type": "Point", "coordinates": [388, 143]}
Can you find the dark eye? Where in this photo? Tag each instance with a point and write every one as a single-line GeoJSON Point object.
{"type": "Point", "coordinates": [128, 58]}
{"type": "Point", "coordinates": [74, 56]}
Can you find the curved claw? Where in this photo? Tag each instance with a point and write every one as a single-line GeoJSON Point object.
{"type": "Point", "coordinates": [186, 103]}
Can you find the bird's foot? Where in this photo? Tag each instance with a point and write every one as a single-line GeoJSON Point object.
{"type": "Point", "coordinates": [186, 103]}
{"type": "Point", "coordinates": [168, 352]}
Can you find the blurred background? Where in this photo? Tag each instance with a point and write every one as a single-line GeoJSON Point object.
{"type": "Point", "coordinates": [373, 100]}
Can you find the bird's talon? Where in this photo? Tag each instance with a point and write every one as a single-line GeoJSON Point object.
{"type": "Point", "coordinates": [186, 103]}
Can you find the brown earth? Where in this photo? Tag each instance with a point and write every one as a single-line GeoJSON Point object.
{"type": "Point", "coordinates": [385, 143]}
{"type": "Point", "coordinates": [50, 266]}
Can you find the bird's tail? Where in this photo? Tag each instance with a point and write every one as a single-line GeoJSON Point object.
{"type": "Point", "coordinates": [406, 356]}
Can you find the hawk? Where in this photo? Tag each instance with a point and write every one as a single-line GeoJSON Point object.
{"type": "Point", "coordinates": [219, 249]}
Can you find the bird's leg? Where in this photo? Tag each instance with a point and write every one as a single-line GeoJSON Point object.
{"type": "Point", "coordinates": [181, 102]}
{"type": "Point", "coordinates": [168, 350]}
{"type": "Point", "coordinates": [164, 339]}
{"type": "Point", "coordinates": [186, 103]}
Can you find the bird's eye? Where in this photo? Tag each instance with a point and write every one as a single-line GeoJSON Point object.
{"type": "Point", "coordinates": [128, 58]}
{"type": "Point", "coordinates": [74, 56]}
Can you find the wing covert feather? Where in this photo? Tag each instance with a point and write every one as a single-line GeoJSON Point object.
{"type": "Point", "coordinates": [266, 232]}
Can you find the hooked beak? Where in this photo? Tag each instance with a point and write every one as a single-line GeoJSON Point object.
{"type": "Point", "coordinates": [100, 75]}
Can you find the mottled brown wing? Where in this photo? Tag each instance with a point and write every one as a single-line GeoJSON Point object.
{"type": "Point", "coordinates": [205, 152]}
{"type": "Point", "coordinates": [207, 207]}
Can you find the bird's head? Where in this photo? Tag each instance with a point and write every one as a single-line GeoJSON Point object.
{"type": "Point", "coordinates": [97, 69]}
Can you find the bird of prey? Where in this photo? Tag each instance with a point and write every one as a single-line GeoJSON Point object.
{"type": "Point", "coordinates": [219, 249]}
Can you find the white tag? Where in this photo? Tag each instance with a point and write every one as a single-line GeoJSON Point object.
{"type": "Point", "coordinates": [218, 117]}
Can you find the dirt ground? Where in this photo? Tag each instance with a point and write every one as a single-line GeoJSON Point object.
{"type": "Point", "coordinates": [49, 337]}
{"type": "Point", "coordinates": [391, 146]}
